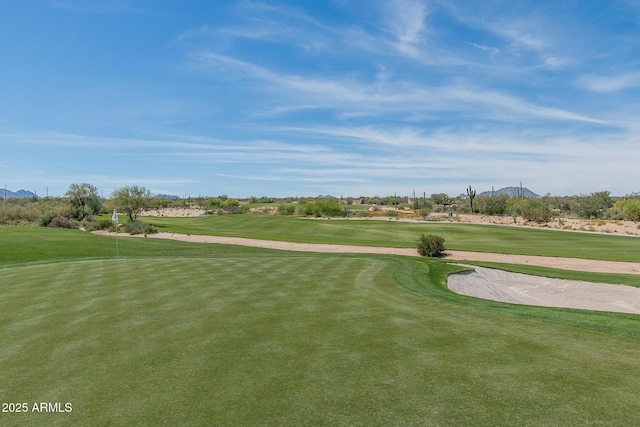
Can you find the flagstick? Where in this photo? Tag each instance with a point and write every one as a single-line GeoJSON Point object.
{"type": "Point", "coordinates": [116, 244]}
{"type": "Point", "coordinates": [114, 218]}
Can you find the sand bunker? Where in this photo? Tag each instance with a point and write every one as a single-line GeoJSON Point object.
{"type": "Point", "coordinates": [515, 288]}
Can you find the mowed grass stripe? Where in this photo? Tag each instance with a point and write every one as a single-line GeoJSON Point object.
{"type": "Point", "coordinates": [168, 308]}
{"type": "Point", "coordinates": [292, 340]}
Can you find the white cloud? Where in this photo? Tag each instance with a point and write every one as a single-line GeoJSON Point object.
{"type": "Point", "coordinates": [379, 99]}
{"type": "Point", "coordinates": [405, 20]}
{"type": "Point", "coordinates": [485, 48]}
{"type": "Point", "coordinates": [614, 83]}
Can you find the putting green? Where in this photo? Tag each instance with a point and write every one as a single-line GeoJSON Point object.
{"type": "Point", "coordinates": [293, 340]}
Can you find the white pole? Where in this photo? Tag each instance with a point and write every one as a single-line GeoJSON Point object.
{"type": "Point", "coordinates": [114, 218]}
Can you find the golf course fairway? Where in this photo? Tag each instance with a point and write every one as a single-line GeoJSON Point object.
{"type": "Point", "coordinates": [173, 333]}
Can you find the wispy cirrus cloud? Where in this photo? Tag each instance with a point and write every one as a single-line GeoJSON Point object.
{"type": "Point", "coordinates": [611, 83]}
{"type": "Point", "coordinates": [335, 96]}
{"type": "Point", "coordinates": [341, 93]}
{"type": "Point", "coordinates": [405, 20]}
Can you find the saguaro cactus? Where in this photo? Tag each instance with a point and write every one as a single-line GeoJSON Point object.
{"type": "Point", "coordinates": [472, 195]}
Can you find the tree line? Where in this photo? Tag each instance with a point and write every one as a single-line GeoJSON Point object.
{"type": "Point", "coordinates": [82, 203]}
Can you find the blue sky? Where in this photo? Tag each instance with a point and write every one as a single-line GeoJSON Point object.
{"type": "Point", "coordinates": [341, 97]}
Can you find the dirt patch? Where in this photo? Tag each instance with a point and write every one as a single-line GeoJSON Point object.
{"type": "Point", "coordinates": [174, 212]}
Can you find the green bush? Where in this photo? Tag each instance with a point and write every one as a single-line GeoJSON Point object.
{"type": "Point", "coordinates": [103, 224]}
{"type": "Point", "coordinates": [214, 202]}
{"type": "Point", "coordinates": [286, 210]}
{"type": "Point", "coordinates": [231, 202]}
{"type": "Point", "coordinates": [629, 210]}
{"type": "Point", "coordinates": [47, 217]}
{"type": "Point", "coordinates": [535, 210]}
{"type": "Point", "coordinates": [491, 205]}
{"type": "Point", "coordinates": [430, 245]}
{"type": "Point", "coordinates": [594, 205]}
{"type": "Point", "coordinates": [321, 207]}
{"type": "Point", "coordinates": [424, 212]}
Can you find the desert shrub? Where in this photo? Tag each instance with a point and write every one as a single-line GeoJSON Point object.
{"type": "Point", "coordinates": [321, 207]}
{"type": "Point", "coordinates": [628, 210]}
{"type": "Point", "coordinates": [46, 218]}
{"type": "Point", "coordinates": [594, 205]}
{"type": "Point", "coordinates": [491, 205]}
{"type": "Point", "coordinates": [102, 224]}
{"type": "Point", "coordinates": [286, 210]}
{"type": "Point", "coordinates": [632, 212]}
{"type": "Point", "coordinates": [63, 222]}
{"type": "Point", "coordinates": [231, 202]}
{"type": "Point", "coordinates": [424, 212]}
{"type": "Point", "coordinates": [430, 245]}
{"type": "Point", "coordinates": [535, 210]}
{"type": "Point", "coordinates": [514, 206]}
{"type": "Point", "coordinates": [137, 227]}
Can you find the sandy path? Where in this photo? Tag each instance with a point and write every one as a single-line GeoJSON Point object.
{"type": "Point", "coordinates": [575, 264]}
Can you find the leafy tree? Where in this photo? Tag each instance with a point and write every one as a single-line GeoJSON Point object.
{"type": "Point", "coordinates": [84, 199]}
{"type": "Point", "coordinates": [431, 245]}
{"type": "Point", "coordinates": [132, 200]}
{"type": "Point", "coordinates": [439, 198]}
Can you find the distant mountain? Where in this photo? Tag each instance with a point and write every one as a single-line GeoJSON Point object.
{"type": "Point", "coordinates": [20, 194]}
{"type": "Point", "coordinates": [165, 196]}
{"type": "Point", "coordinates": [511, 192]}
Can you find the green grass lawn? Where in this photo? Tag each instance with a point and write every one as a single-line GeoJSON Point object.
{"type": "Point", "coordinates": [187, 334]}
{"type": "Point", "coordinates": [467, 237]}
